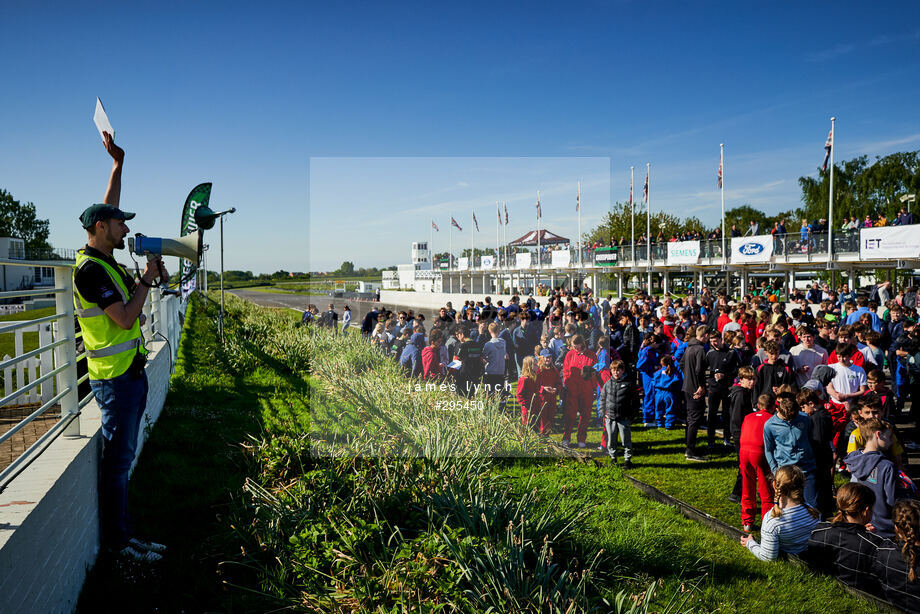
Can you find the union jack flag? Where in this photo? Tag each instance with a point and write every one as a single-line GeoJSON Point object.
{"type": "Point", "coordinates": [453, 222]}
{"type": "Point", "coordinates": [475, 221]}
{"type": "Point", "coordinates": [630, 192]}
{"type": "Point", "coordinates": [827, 148]}
{"type": "Point", "coordinates": [435, 226]}
{"type": "Point", "coordinates": [539, 210]}
{"type": "Point", "coordinates": [720, 173]}
{"type": "Point", "coordinates": [578, 198]}
{"type": "Point", "coordinates": [506, 213]}
{"type": "Point", "coordinates": [645, 189]}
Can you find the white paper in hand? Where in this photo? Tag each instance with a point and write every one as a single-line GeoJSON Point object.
{"type": "Point", "coordinates": [102, 120]}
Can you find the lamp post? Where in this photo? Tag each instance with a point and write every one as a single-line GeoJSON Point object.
{"type": "Point", "coordinates": [220, 319]}
{"type": "Point", "coordinates": [908, 198]}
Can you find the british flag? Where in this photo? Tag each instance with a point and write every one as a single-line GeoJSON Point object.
{"type": "Point", "coordinates": [539, 210]}
{"type": "Point", "coordinates": [720, 173]}
{"type": "Point", "coordinates": [476, 222]}
{"type": "Point", "coordinates": [630, 192]}
{"type": "Point", "coordinates": [435, 226]}
{"type": "Point", "coordinates": [827, 148]}
{"type": "Point", "coordinates": [645, 190]}
{"type": "Point", "coordinates": [506, 213]}
{"type": "Point", "coordinates": [453, 222]}
{"type": "Point", "coordinates": [578, 198]}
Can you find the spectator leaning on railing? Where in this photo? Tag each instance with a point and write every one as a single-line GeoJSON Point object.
{"type": "Point", "coordinates": [108, 306]}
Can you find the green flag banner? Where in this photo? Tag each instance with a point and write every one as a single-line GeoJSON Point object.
{"type": "Point", "coordinates": [198, 197]}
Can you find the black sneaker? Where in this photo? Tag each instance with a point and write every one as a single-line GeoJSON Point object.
{"type": "Point", "coordinates": [628, 465]}
{"type": "Point", "coordinates": [694, 457]}
{"type": "Point", "coordinates": [734, 498]}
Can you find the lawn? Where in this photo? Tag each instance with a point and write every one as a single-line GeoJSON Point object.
{"type": "Point", "coordinates": [29, 340]}
{"type": "Point", "coordinates": [255, 521]}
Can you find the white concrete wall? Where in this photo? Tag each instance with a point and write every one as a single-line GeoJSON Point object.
{"type": "Point", "coordinates": [49, 514]}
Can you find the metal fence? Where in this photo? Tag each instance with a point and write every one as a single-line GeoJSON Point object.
{"type": "Point", "coordinates": [51, 374]}
{"type": "Point", "coordinates": [791, 244]}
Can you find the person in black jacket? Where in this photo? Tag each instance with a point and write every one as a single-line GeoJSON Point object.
{"type": "Point", "coordinates": [619, 401]}
{"type": "Point", "coordinates": [740, 404]}
{"type": "Point", "coordinates": [631, 339]}
{"type": "Point", "coordinates": [773, 373]}
{"type": "Point", "coordinates": [693, 366]}
{"type": "Point", "coordinates": [896, 561]}
{"type": "Point", "coordinates": [723, 366]}
{"type": "Point", "coordinates": [370, 322]}
{"type": "Point", "coordinates": [844, 547]}
{"type": "Point", "coordinates": [822, 438]}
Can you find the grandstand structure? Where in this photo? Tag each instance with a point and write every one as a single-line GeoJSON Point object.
{"type": "Point", "coordinates": [687, 263]}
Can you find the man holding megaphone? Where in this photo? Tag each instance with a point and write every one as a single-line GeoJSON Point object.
{"type": "Point", "coordinates": [108, 305]}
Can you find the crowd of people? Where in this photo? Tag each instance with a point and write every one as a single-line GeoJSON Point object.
{"type": "Point", "coordinates": [799, 391]}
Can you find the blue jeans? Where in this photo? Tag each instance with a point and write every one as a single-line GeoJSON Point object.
{"type": "Point", "coordinates": [122, 400]}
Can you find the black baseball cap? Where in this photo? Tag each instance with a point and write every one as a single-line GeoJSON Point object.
{"type": "Point", "coordinates": [101, 212]}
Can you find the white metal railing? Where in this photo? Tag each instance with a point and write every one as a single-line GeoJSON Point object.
{"type": "Point", "coordinates": [48, 375]}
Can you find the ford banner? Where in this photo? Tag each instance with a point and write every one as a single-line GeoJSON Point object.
{"type": "Point", "coordinates": [752, 249]}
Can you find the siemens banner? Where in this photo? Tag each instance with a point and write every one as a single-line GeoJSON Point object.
{"type": "Point", "coordinates": [752, 249]}
{"type": "Point", "coordinates": [561, 258]}
{"type": "Point", "coordinates": [890, 242]}
{"type": "Point", "coordinates": [683, 252]}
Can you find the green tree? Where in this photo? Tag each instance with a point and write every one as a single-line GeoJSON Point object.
{"type": "Point", "coordinates": [743, 215]}
{"type": "Point", "coordinates": [347, 269]}
{"type": "Point", "coordinates": [20, 220]}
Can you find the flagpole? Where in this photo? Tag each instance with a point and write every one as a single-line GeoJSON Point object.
{"type": "Point", "coordinates": [632, 211]}
{"type": "Point", "coordinates": [450, 243]}
{"type": "Point", "coordinates": [498, 239]}
{"type": "Point", "coordinates": [472, 241]}
{"type": "Point", "coordinates": [431, 246]}
{"type": "Point", "coordinates": [539, 256]}
{"type": "Point", "coordinates": [830, 200]}
{"type": "Point", "coordinates": [648, 213]}
{"type": "Point", "coordinates": [581, 262]}
{"type": "Point", "coordinates": [722, 190]}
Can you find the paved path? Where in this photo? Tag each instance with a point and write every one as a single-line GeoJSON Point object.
{"type": "Point", "coordinates": [300, 301]}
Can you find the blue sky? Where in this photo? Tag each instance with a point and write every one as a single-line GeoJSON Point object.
{"type": "Point", "coordinates": [246, 97]}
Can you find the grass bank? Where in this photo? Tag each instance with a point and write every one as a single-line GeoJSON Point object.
{"type": "Point", "coordinates": [285, 473]}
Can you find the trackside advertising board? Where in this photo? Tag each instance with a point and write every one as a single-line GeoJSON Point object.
{"type": "Point", "coordinates": [890, 242]}
{"type": "Point", "coordinates": [561, 258]}
{"type": "Point", "coordinates": [605, 256]}
{"type": "Point", "coordinates": [684, 252]}
{"type": "Point", "coordinates": [752, 249]}
{"type": "Point", "coordinates": [523, 261]}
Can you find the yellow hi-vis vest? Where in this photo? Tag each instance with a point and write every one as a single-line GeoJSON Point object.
{"type": "Point", "coordinates": [110, 349]}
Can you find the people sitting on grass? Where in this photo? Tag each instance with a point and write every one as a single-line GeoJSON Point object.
{"type": "Point", "coordinates": [897, 560]}
{"type": "Point", "coordinates": [846, 546]}
{"type": "Point", "coordinates": [788, 526]}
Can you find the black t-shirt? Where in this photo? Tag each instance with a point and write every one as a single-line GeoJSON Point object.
{"type": "Point", "coordinates": [94, 283]}
{"type": "Point", "coordinates": [470, 355]}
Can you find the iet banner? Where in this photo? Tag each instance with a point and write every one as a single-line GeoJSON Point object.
{"type": "Point", "coordinates": [752, 249]}
{"type": "Point", "coordinates": [890, 242]}
{"type": "Point", "coordinates": [683, 252]}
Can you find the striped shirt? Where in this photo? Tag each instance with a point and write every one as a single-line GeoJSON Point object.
{"type": "Point", "coordinates": [788, 533]}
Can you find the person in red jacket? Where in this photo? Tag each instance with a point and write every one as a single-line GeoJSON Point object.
{"type": "Point", "coordinates": [527, 392]}
{"type": "Point", "coordinates": [755, 472]}
{"type": "Point", "coordinates": [431, 356]}
{"type": "Point", "coordinates": [579, 392]}
{"type": "Point", "coordinates": [548, 385]}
